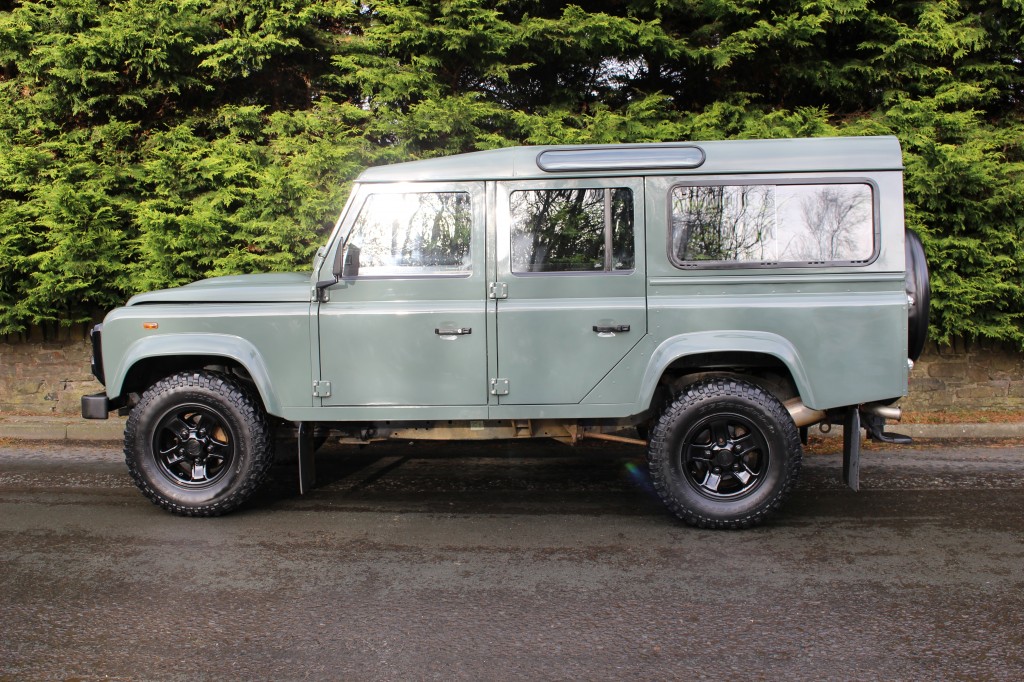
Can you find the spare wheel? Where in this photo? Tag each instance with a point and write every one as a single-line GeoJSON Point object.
{"type": "Point", "coordinates": [919, 294]}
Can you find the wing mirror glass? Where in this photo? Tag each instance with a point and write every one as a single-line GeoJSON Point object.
{"type": "Point", "coordinates": [350, 262]}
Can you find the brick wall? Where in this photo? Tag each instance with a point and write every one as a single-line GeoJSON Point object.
{"type": "Point", "coordinates": [47, 371]}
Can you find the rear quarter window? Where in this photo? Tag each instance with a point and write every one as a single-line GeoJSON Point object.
{"type": "Point", "coordinates": [772, 224]}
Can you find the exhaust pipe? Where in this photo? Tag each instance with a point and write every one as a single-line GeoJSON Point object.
{"type": "Point", "coordinates": [803, 415]}
{"type": "Point", "coordinates": [889, 412]}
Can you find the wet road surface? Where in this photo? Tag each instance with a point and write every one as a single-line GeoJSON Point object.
{"type": "Point", "coordinates": [513, 561]}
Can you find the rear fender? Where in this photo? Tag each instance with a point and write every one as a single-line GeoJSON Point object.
{"type": "Point", "coordinates": [699, 343]}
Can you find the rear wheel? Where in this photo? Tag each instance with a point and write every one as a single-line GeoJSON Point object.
{"type": "Point", "coordinates": [724, 455]}
{"type": "Point", "coordinates": [198, 444]}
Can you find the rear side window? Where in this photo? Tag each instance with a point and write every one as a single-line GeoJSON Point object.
{"type": "Point", "coordinates": [415, 233]}
{"type": "Point", "coordinates": [794, 224]}
{"type": "Point", "coordinates": [572, 230]}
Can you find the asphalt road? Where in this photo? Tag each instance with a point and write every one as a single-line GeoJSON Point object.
{"type": "Point", "coordinates": [513, 561]}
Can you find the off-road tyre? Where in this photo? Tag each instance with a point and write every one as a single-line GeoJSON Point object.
{"type": "Point", "coordinates": [218, 429]}
{"type": "Point", "coordinates": [755, 434]}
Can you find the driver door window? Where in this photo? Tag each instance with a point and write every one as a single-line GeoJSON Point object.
{"type": "Point", "coordinates": [412, 234]}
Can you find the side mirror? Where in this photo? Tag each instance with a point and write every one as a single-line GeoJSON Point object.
{"type": "Point", "coordinates": [350, 262]}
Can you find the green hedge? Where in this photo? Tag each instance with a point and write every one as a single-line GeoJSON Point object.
{"type": "Point", "coordinates": [148, 144]}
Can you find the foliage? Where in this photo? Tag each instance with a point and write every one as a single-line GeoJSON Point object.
{"type": "Point", "coordinates": [148, 144]}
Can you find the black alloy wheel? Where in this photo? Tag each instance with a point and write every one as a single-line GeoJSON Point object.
{"type": "Point", "coordinates": [194, 446]}
{"type": "Point", "coordinates": [724, 456]}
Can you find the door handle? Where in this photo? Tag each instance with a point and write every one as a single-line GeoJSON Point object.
{"type": "Point", "coordinates": [457, 331]}
{"type": "Point", "coordinates": [611, 329]}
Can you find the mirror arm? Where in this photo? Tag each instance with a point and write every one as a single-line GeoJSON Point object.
{"type": "Point", "coordinates": [324, 283]}
{"type": "Point", "coordinates": [321, 287]}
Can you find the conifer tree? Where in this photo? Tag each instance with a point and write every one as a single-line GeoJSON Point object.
{"type": "Point", "coordinates": [148, 144]}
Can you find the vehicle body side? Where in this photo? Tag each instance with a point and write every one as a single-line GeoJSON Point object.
{"type": "Point", "coordinates": [831, 334]}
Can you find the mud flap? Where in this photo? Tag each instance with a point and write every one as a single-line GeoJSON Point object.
{"type": "Point", "coordinates": [851, 448]}
{"type": "Point", "coordinates": [307, 459]}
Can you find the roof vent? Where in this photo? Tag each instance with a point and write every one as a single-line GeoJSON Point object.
{"type": "Point", "coordinates": [620, 158]}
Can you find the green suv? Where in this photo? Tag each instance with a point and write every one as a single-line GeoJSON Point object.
{"type": "Point", "coordinates": [710, 300]}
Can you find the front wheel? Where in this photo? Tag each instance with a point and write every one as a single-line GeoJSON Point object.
{"type": "Point", "coordinates": [724, 454]}
{"type": "Point", "coordinates": [198, 444]}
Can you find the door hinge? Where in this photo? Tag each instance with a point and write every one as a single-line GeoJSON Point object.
{"type": "Point", "coordinates": [498, 290]}
{"type": "Point", "coordinates": [319, 295]}
{"type": "Point", "coordinates": [321, 389]}
{"type": "Point", "coordinates": [499, 386]}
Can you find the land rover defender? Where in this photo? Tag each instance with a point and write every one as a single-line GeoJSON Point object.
{"type": "Point", "coordinates": [709, 300]}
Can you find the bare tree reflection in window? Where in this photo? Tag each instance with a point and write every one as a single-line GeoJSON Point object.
{"type": "Point", "coordinates": [437, 232]}
{"type": "Point", "coordinates": [722, 223]}
{"type": "Point", "coordinates": [622, 230]}
{"type": "Point", "coordinates": [835, 220]}
{"type": "Point", "coordinates": [786, 223]}
{"type": "Point", "coordinates": [557, 230]}
{"type": "Point", "coordinates": [569, 230]}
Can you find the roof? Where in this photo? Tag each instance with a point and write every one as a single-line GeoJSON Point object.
{"type": "Point", "coordinates": [821, 154]}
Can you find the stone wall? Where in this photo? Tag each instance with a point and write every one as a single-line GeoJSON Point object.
{"type": "Point", "coordinates": [47, 371]}
{"type": "Point", "coordinates": [967, 377]}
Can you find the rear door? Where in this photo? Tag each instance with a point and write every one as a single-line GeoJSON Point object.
{"type": "Point", "coordinates": [570, 265]}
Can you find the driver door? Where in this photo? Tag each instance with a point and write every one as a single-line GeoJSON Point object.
{"type": "Point", "coordinates": [406, 325]}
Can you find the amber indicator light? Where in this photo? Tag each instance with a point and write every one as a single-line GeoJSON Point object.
{"type": "Point", "coordinates": [150, 325]}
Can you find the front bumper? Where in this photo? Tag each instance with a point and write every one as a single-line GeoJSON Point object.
{"type": "Point", "coordinates": [95, 406]}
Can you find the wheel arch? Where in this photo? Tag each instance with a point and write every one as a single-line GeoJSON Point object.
{"type": "Point", "coordinates": [155, 357]}
{"type": "Point", "coordinates": [725, 353]}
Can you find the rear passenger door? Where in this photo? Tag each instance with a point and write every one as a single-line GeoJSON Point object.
{"type": "Point", "coordinates": [570, 285]}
